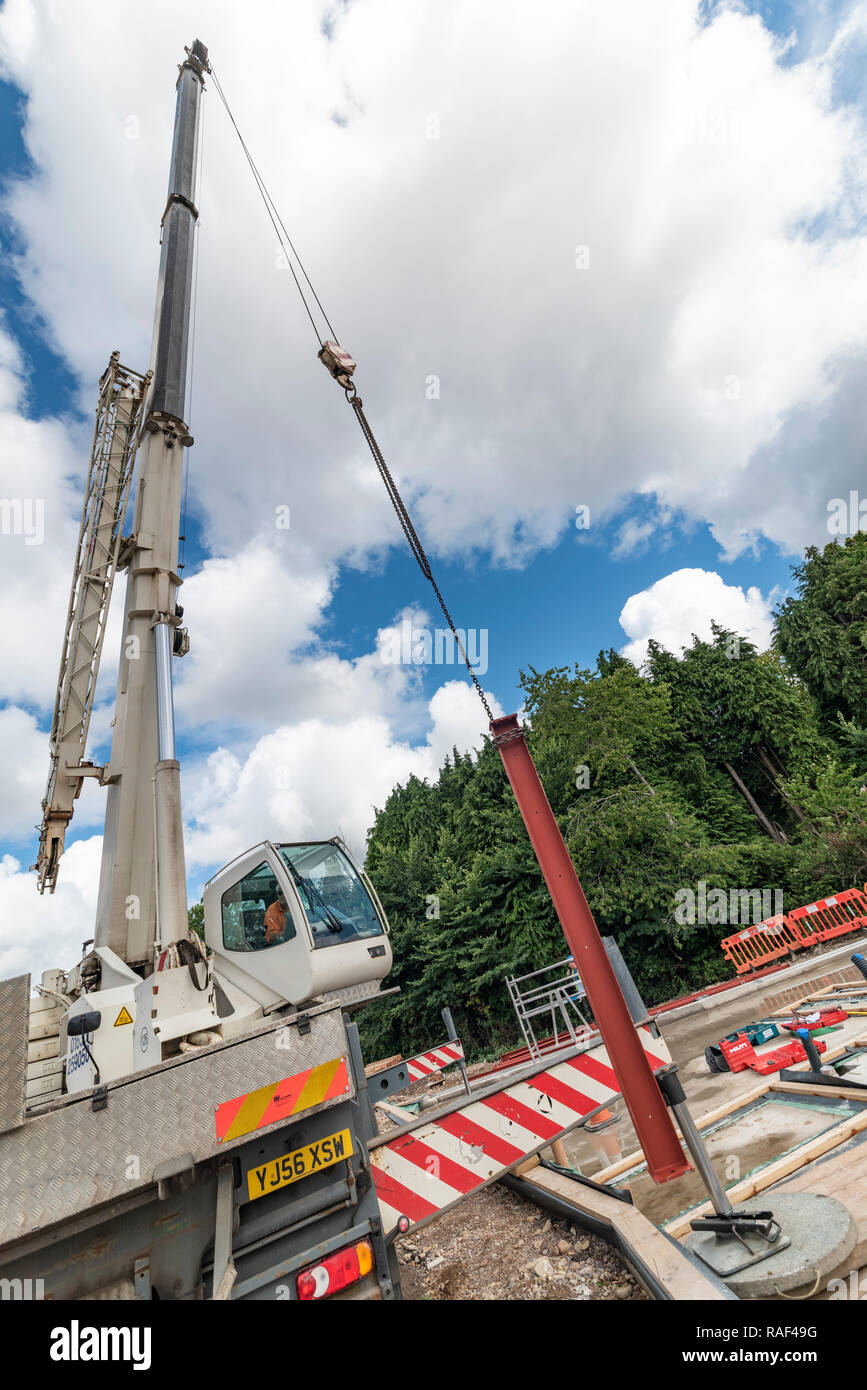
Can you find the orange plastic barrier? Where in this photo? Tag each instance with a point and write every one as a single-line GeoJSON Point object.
{"type": "Point", "coordinates": [766, 941]}
{"type": "Point", "coordinates": [830, 917]}
{"type": "Point", "coordinates": [753, 947]}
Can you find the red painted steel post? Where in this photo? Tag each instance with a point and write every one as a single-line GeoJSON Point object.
{"type": "Point", "coordinates": [649, 1113]}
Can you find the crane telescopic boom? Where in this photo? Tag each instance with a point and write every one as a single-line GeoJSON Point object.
{"type": "Point", "coordinates": [142, 890]}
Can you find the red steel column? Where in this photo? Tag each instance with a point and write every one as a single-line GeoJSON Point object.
{"type": "Point", "coordinates": [649, 1113]}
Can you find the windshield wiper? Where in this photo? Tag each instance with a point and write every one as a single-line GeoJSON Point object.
{"type": "Point", "coordinates": [334, 924]}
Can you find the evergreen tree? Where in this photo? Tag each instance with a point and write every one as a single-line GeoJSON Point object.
{"type": "Point", "coordinates": [722, 765]}
{"type": "Point", "coordinates": [823, 632]}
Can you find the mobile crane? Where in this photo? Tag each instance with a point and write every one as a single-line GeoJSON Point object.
{"type": "Point", "coordinates": [128, 1026]}
{"type": "Point", "coordinates": [334, 935]}
{"type": "Point", "coordinates": [183, 1118]}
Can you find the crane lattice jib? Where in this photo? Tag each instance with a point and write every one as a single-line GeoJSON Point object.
{"type": "Point", "coordinates": [112, 460]}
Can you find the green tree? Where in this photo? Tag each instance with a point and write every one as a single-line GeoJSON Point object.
{"type": "Point", "coordinates": [739, 713]}
{"type": "Point", "coordinates": [715, 765]}
{"type": "Point", "coordinates": [823, 632]}
{"type": "Point", "coordinates": [196, 919]}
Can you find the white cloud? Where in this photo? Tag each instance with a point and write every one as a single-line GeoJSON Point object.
{"type": "Point", "coordinates": [24, 761]}
{"type": "Point", "coordinates": [718, 190]}
{"type": "Point", "coordinates": [42, 472]}
{"type": "Point", "coordinates": [38, 531]}
{"type": "Point", "coordinates": [306, 780]}
{"type": "Point", "coordinates": [713, 353]}
{"type": "Point", "coordinates": [686, 602]}
{"type": "Point", "coordinates": [316, 779]}
{"type": "Point", "coordinates": [46, 933]}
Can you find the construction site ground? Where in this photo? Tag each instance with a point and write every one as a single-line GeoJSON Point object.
{"type": "Point", "coordinates": [495, 1245]}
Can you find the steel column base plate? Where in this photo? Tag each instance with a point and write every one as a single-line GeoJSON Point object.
{"type": "Point", "coordinates": [726, 1255]}
{"type": "Point", "coordinates": [818, 1234]}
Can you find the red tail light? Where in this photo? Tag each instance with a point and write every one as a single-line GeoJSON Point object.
{"type": "Point", "coordinates": [336, 1271]}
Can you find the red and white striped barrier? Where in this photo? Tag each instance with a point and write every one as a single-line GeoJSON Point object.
{"type": "Point", "coordinates": [426, 1063]}
{"type": "Point", "coordinates": [422, 1171]}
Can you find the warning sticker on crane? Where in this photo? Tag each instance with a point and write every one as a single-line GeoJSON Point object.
{"type": "Point", "coordinates": [123, 1017]}
{"type": "Point", "coordinates": [280, 1099]}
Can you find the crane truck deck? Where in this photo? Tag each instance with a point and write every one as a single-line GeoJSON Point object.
{"type": "Point", "coordinates": [186, 1117]}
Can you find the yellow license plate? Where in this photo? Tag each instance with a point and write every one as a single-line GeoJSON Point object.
{"type": "Point", "coordinates": [300, 1163]}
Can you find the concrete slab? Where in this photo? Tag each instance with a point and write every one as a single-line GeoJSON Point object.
{"type": "Point", "coordinates": [812, 965]}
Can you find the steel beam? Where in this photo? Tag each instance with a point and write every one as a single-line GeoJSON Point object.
{"type": "Point", "coordinates": [647, 1108]}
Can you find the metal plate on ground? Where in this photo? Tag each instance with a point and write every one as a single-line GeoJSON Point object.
{"type": "Point", "coordinates": [819, 1231]}
{"type": "Point", "coordinates": [150, 1119]}
{"type": "Point", "coordinates": [727, 1255]}
{"type": "Point", "coordinates": [14, 1014]}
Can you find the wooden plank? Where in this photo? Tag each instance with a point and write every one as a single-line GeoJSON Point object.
{"type": "Point", "coordinates": [798, 1088]}
{"type": "Point", "coordinates": [774, 1172]}
{"type": "Point", "coordinates": [376, 1067]}
{"type": "Point", "coordinates": [527, 1166]}
{"type": "Point", "coordinates": [859, 1040]}
{"type": "Point", "coordinates": [395, 1111]}
{"type": "Point", "coordinates": [670, 1268]}
{"type": "Point", "coordinates": [824, 997]}
{"type": "Point", "coordinates": [791, 1010]}
{"type": "Point", "coordinates": [843, 1176]}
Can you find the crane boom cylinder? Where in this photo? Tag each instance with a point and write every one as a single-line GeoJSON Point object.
{"type": "Point", "coordinates": [172, 320]}
{"type": "Point", "coordinates": [171, 906]}
{"type": "Point", "coordinates": [165, 700]}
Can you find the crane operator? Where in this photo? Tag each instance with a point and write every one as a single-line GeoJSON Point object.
{"type": "Point", "coordinates": [275, 918]}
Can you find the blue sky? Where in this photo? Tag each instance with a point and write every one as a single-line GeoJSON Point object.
{"type": "Point", "coordinates": [641, 388]}
{"type": "Point", "coordinates": [562, 607]}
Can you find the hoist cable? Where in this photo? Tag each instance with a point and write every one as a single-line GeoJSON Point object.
{"type": "Point", "coordinates": [276, 221]}
{"type": "Point", "coordinates": [411, 534]}
{"type": "Point", "coordinates": [391, 487]}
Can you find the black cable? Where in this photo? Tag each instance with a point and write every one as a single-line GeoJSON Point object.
{"type": "Point", "coordinates": [411, 534]}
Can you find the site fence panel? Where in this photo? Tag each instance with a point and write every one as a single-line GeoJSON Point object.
{"type": "Point", "coordinates": [830, 917]}
{"type": "Point", "coordinates": [755, 946]}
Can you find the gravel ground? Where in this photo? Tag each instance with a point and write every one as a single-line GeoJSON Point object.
{"type": "Point", "coordinates": [495, 1245]}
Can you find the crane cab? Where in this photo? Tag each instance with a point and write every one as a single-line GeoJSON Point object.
{"type": "Point", "coordinates": [289, 922]}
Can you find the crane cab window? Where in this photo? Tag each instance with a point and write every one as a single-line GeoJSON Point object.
{"type": "Point", "coordinates": [255, 914]}
{"type": "Point", "coordinates": [338, 906]}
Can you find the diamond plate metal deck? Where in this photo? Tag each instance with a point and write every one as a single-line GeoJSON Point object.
{"type": "Point", "coordinates": [14, 1013]}
{"type": "Point", "coordinates": [69, 1159]}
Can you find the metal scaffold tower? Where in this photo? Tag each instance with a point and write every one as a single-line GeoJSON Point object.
{"type": "Point", "coordinates": [554, 994]}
